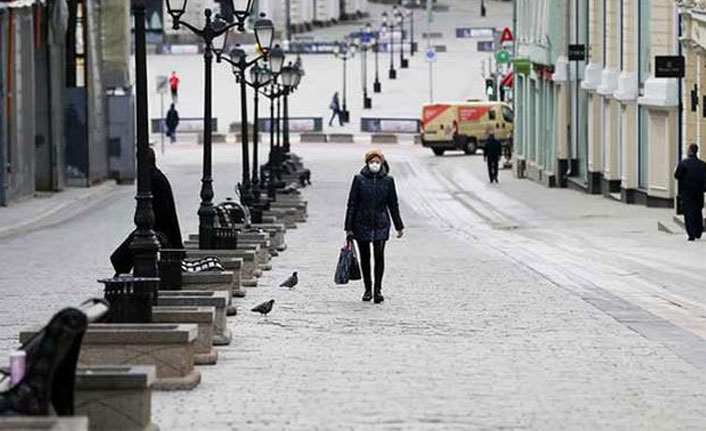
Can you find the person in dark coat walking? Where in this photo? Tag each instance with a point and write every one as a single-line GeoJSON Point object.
{"type": "Point", "coordinates": [172, 123]}
{"type": "Point", "coordinates": [691, 174]}
{"type": "Point", "coordinates": [491, 153]}
{"type": "Point", "coordinates": [335, 106]}
{"type": "Point", "coordinates": [371, 202]}
{"type": "Point", "coordinates": [166, 220]}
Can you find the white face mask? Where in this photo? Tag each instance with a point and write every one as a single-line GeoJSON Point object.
{"type": "Point", "coordinates": [374, 167]}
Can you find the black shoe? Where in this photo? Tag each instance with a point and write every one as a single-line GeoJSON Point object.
{"type": "Point", "coordinates": [690, 239]}
{"type": "Point", "coordinates": [378, 298]}
{"type": "Point", "coordinates": [367, 296]}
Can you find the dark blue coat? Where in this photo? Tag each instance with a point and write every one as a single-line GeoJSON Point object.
{"type": "Point", "coordinates": [371, 202]}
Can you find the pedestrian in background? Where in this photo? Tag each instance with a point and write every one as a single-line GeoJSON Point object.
{"type": "Point", "coordinates": [335, 106]}
{"type": "Point", "coordinates": [371, 202]}
{"type": "Point", "coordinates": [491, 153]}
{"type": "Point", "coordinates": [691, 174]}
{"type": "Point", "coordinates": [174, 86]}
{"type": "Point", "coordinates": [172, 123]}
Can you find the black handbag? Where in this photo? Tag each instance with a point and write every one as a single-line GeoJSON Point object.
{"type": "Point", "coordinates": [347, 267]}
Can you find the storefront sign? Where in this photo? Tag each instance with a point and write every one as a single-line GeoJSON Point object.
{"type": "Point", "coordinates": [669, 66]}
{"type": "Point", "coordinates": [577, 52]}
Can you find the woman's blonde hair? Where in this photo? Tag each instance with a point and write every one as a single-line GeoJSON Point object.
{"type": "Point", "coordinates": [375, 152]}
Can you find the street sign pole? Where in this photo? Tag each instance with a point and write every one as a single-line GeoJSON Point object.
{"type": "Point", "coordinates": [162, 82]}
{"type": "Point", "coordinates": [430, 49]}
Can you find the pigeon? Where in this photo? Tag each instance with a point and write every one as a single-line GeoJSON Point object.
{"type": "Point", "coordinates": [264, 308]}
{"type": "Point", "coordinates": [291, 281]}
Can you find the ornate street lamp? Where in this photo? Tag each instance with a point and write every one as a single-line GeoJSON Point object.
{"type": "Point", "coordinates": [259, 77]}
{"type": "Point", "coordinates": [211, 30]}
{"type": "Point", "coordinates": [399, 18]}
{"type": "Point", "coordinates": [237, 58]}
{"type": "Point", "coordinates": [144, 245]}
{"type": "Point", "coordinates": [377, 86]}
{"type": "Point", "coordinates": [412, 4]}
{"type": "Point", "coordinates": [344, 51]}
{"type": "Point", "coordinates": [364, 42]}
{"type": "Point", "coordinates": [391, 44]}
{"type": "Point", "coordinates": [288, 77]}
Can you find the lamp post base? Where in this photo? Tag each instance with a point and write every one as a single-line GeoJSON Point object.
{"type": "Point", "coordinates": [405, 63]}
{"type": "Point", "coordinates": [345, 116]}
{"type": "Point", "coordinates": [367, 102]}
{"type": "Point", "coordinates": [393, 74]}
{"type": "Point", "coordinates": [377, 87]}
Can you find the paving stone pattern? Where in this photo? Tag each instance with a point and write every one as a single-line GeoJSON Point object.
{"type": "Point", "coordinates": [466, 339]}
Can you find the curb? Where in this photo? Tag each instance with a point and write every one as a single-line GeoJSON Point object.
{"type": "Point", "coordinates": [71, 207]}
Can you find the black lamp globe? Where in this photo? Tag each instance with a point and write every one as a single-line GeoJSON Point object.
{"type": "Point", "coordinates": [287, 76]}
{"type": "Point", "coordinates": [264, 76]}
{"type": "Point", "coordinates": [175, 9]}
{"type": "Point", "coordinates": [264, 33]}
{"type": "Point", "coordinates": [236, 54]}
{"type": "Point", "coordinates": [276, 59]}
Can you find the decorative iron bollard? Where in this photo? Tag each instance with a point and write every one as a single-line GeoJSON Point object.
{"type": "Point", "coordinates": [131, 298]}
{"type": "Point", "coordinates": [170, 268]}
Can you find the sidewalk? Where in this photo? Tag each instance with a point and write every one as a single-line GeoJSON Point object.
{"type": "Point", "coordinates": [46, 209]}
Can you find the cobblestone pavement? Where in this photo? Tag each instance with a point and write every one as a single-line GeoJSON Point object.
{"type": "Point", "coordinates": [479, 329]}
{"type": "Point", "coordinates": [468, 338]}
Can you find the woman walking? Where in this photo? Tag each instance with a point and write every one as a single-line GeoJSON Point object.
{"type": "Point", "coordinates": [371, 202]}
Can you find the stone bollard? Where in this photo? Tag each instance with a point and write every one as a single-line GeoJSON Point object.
{"type": "Point", "coordinates": [168, 347]}
{"type": "Point", "coordinates": [203, 318]}
{"type": "Point", "coordinates": [222, 336]}
{"type": "Point", "coordinates": [116, 398]}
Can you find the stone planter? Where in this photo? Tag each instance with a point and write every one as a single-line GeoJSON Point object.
{"type": "Point", "coordinates": [204, 353]}
{"type": "Point", "coordinates": [33, 423]}
{"type": "Point", "coordinates": [116, 398]}
{"type": "Point", "coordinates": [222, 336]}
{"type": "Point", "coordinates": [169, 348]}
{"type": "Point", "coordinates": [211, 281]}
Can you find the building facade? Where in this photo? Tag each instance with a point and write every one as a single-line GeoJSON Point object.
{"type": "Point", "coordinates": [615, 127]}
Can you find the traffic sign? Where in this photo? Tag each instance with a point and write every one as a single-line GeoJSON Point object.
{"type": "Point", "coordinates": [162, 81]}
{"type": "Point", "coordinates": [474, 32]}
{"type": "Point", "coordinates": [430, 54]}
{"type": "Point", "coordinates": [502, 56]}
{"type": "Point", "coordinates": [506, 36]}
{"type": "Point", "coordinates": [486, 46]}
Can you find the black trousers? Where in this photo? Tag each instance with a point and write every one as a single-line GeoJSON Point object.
{"type": "Point", "coordinates": [336, 112]}
{"type": "Point", "coordinates": [493, 169]}
{"type": "Point", "coordinates": [379, 253]}
{"type": "Point", "coordinates": [693, 218]}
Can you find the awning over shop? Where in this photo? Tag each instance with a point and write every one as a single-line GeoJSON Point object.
{"type": "Point", "coordinates": [507, 80]}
